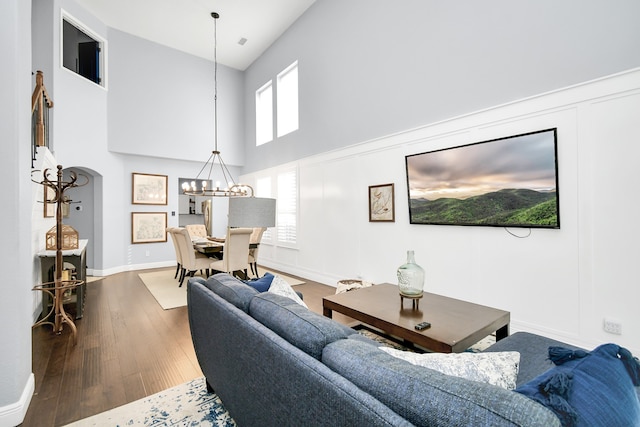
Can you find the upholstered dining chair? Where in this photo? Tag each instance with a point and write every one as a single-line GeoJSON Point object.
{"type": "Point", "coordinates": [256, 237]}
{"type": "Point", "coordinates": [192, 260]}
{"type": "Point", "coordinates": [196, 231]}
{"type": "Point", "coordinates": [176, 247]}
{"type": "Point", "coordinates": [235, 256]}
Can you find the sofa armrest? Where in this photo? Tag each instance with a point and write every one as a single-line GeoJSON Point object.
{"type": "Point", "coordinates": [534, 352]}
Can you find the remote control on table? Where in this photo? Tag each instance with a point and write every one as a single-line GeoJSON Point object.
{"type": "Point", "coordinates": [423, 325]}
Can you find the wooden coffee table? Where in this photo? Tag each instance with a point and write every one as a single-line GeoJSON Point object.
{"type": "Point", "coordinates": [455, 325]}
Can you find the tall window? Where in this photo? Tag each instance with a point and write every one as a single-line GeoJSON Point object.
{"type": "Point", "coordinates": [283, 185]}
{"type": "Point", "coordinates": [287, 100]}
{"type": "Point", "coordinates": [264, 114]}
{"type": "Point", "coordinates": [287, 207]}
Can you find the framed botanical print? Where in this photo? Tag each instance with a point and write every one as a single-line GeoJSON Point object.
{"type": "Point", "coordinates": [148, 189]}
{"type": "Point", "coordinates": [381, 203]}
{"type": "Point", "coordinates": [148, 227]}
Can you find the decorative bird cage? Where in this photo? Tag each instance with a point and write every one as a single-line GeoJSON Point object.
{"type": "Point", "coordinates": [69, 238]}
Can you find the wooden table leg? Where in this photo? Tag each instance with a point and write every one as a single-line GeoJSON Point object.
{"type": "Point", "coordinates": [327, 312]}
{"type": "Point", "coordinates": [502, 332]}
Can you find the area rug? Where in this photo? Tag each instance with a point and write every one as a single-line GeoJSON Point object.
{"type": "Point", "coordinates": [393, 343]}
{"type": "Point", "coordinates": [165, 290]}
{"type": "Point", "coordinates": [187, 404]}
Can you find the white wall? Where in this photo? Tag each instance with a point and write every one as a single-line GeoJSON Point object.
{"type": "Point", "coordinates": [559, 283]}
{"type": "Point", "coordinates": [154, 115]}
{"type": "Point", "coordinates": [16, 379]}
{"type": "Point", "coordinates": [161, 103]}
{"type": "Point", "coordinates": [369, 68]}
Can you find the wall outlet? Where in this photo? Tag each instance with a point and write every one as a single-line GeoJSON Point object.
{"type": "Point", "coordinates": [148, 253]}
{"type": "Point", "coordinates": [612, 326]}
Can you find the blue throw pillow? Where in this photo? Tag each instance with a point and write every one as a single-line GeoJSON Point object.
{"type": "Point", "coordinates": [589, 388]}
{"type": "Point", "coordinates": [262, 284]}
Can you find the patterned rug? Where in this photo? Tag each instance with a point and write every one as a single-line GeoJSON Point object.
{"type": "Point", "coordinates": [188, 404]}
{"type": "Point", "coordinates": [393, 343]}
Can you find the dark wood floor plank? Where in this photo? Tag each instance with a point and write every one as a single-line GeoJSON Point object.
{"type": "Point", "coordinates": [134, 387]}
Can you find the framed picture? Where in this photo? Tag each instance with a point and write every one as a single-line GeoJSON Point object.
{"type": "Point", "coordinates": [49, 202]}
{"type": "Point", "coordinates": [148, 227]}
{"type": "Point", "coordinates": [148, 189]}
{"type": "Point", "coordinates": [381, 203]}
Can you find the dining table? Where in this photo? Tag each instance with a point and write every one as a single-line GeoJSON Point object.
{"type": "Point", "coordinates": [214, 248]}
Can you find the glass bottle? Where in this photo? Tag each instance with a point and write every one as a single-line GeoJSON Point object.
{"type": "Point", "coordinates": [411, 277]}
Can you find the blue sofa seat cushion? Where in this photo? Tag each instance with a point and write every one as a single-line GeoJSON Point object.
{"type": "Point", "coordinates": [590, 388]}
{"type": "Point", "coordinates": [231, 289]}
{"type": "Point", "coordinates": [429, 398]}
{"type": "Point", "coordinates": [308, 331]}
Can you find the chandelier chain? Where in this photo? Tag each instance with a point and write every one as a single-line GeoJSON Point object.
{"type": "Point", "coordinates": [230, 188]}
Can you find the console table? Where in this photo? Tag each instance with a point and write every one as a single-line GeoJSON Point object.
{"type": "Point", "coordinates": [77, 257]}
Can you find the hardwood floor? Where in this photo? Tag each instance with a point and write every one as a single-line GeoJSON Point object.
{"type": "Point", "coordinates": [128, 348]}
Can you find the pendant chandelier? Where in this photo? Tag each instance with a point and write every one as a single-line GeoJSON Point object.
{"type": "Point", "coordinates": [229, 188]}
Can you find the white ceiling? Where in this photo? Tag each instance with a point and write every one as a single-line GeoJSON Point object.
{"type": "Point", "coordinates": [187, 25]}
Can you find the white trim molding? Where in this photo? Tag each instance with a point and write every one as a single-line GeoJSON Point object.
{"type": "Point", "coordinates": [13, 414]}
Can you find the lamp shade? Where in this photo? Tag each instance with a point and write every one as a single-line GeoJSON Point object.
{"type": "Point", "coordinates": [252, 212]}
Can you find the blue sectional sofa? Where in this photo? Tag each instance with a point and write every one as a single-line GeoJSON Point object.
{"type": "Point", "coordinates": [273, 362]}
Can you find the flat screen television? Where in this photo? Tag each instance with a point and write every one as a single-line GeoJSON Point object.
{"type": "Point", "coordinates": [504, 182]}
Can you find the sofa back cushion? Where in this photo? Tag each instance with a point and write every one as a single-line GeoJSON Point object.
{"type": "Point", "coordinates": [429, 398]}
{"type": "Point", "coordinates": [231, 289]}
{"type": "Point", "coordinates": [265, 381]}
{"type": "Point", "coordinates": [308, 331]}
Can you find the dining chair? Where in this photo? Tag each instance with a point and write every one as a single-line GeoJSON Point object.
{"type": "Point", "coordinates": [176, 247]}
{"type": "Point", "coordinates": [235, 256]}
{"type": "Point", "coordinates": [256, 237]}
{"type": "Point", "coordinates": [192, 260]}
{"type": "Point", "coordinates": [196, 231]}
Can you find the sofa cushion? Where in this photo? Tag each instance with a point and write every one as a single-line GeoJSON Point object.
{"type": "Point", "coordinates": [232, 290]}
{"type": "Point", "coordinates": [429, 398]}
{"type": "Point", "coordinates": [308, 331]}
{"type": "Point", "coordinates": [590, 388]}
{"type": "Point", "coordinates": [281, 287]}
{"type": "Point", "coordinates": [499, 368]}
{"type": "Point", "coordinates": [262, 284]}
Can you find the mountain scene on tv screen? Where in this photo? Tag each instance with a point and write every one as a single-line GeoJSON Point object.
{"type": "Point", "coordinates": [508, 207]}
{"type": "Point", "coordinates": [510, 182]}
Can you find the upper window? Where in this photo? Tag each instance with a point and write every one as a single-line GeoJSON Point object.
{"type": "Point", "coordinates": [264, 114]}
{"type": "Point", "coordinates": [82, 51]}
{"type": "Point", "coordinates": [287, 100]}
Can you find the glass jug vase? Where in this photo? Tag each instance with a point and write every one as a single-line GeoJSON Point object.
{"type": "Point", "coordinates": [411, 277]}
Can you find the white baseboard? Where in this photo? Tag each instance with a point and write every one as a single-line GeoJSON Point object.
{"type": "Point", "coordinates": [13, 414]}
{"type": "Point", "coordinates": [120, 269]}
